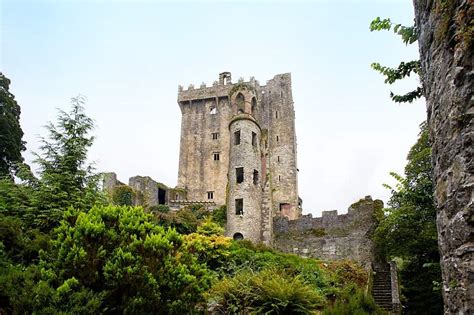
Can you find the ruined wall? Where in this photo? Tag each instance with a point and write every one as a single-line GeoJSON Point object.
{"type": "Point", "coordinates": [146, 189]}
{"type": "Point", "coordinates": [445, 36]}
{"type": "Point", "coordinates": [331, 236]}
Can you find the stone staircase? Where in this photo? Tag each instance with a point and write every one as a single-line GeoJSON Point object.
{"type": "Point", "coordinates": [267, 218]}
{"type": "Point", "coordinates": [382, 287]}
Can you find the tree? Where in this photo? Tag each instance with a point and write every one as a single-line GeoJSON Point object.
{"type": "Point", "coordinates": [65, 178]}
{"type": "Point", "coordinates": [408, 232]}
{"type": "Point", "coordinates": [446, 40]}
{"type": "Point", "coordinates": [11, 134]}
{"type": "Point", "coordinates": [404, 69]}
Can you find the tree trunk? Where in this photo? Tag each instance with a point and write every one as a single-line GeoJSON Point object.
{"type": "Point", "coordinates": [445, 34]}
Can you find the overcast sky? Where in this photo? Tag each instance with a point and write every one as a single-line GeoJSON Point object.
{"type": "Point", "coordinates": [128, 58]}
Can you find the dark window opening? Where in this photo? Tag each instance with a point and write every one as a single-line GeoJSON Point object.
{"type": "Point", "coordinates": [161, 196]}
{"type": "Point", "coordinates": [278, 138]}
{"type": "Point", "coordinates": [216, 156]}
{"type": "Point", "coordinates": [237, 137]}
{"type": "Point", "coordinates": [254, 105]}
{"type": "Point", "coordinates": [240, 100]}
{"type": "Point", "coordinates": [278, 158]}
{"type": "Point", "coordinates": [255, 177]}
{"type": "Point", "coordinates": [239, 206]}
{"type": "Point", "coordinates": [239, 174]}
{"type": "Point", "coordinates": [238, 236]}
{"type": "Point", "coordinates": [210, 195]}
{"type": "Point", "coordinates": [279, 178]}
{"type": "Point", "coordinates": [276, 114]}
{"type": "Point", "coordinates": [215, 135]}
{"type": "Point", "coordinates": [254, 139]}
{"type": "Point", "coordinates": [285, 206]}
{"type": "Point", "coordinates": [281, 94]}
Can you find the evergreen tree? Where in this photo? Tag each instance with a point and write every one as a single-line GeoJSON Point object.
{"type": "Point", "coordinates": [11, 143]}
{"type": "Point", "coordinates": [66, 178]}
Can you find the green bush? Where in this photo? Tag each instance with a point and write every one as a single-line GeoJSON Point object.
{"type": "Point", "coordinates": [119, 260]}
{"type": "Point", "coordinates": [270, 291]}
{"type": "Point", "coordinates": [123, 195]}
{"type": "Point", "coordinates": [160, 208]}
{"type": "Point", "coordinates": [354, 302]}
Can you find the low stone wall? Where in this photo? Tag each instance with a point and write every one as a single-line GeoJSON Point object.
{"type": "Point", "coordinates": [331, 236]}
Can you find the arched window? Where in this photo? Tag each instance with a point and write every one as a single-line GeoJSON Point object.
{"type": "Point", "coordinates": [254, 105]}
{"type": "Point", "coordinates": [238, 236]}
{"type": "Point", "coordinates": [240, 100]}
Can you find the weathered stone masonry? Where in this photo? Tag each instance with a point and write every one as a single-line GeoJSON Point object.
{"type": "Point", "coordinates": [446, 37]}
{"type": "Point", "coordinates": [332, 236]}
{"type": "Point", "coordinates": [263, 118]}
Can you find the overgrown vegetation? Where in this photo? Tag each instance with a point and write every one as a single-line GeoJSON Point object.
{"type": "Point", "coordinates": [67, 248]}
{"type": "Point", "coordinates": [408, 231]}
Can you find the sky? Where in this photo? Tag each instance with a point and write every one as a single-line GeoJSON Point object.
{"type": "Point", "coordinates": [128, 58]}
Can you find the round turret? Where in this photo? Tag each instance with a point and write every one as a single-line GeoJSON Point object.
{"type": "Point", "coordinates": [245, 194]}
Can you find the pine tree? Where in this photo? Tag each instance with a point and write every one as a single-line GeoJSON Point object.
{"type": "Point", "coordinates": [11, 134]}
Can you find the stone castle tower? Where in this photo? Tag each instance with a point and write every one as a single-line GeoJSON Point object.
{"type": "Point", "coordinates": [238, 147]}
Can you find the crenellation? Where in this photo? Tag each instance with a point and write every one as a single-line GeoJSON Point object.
{"type": "Point", "coordinates": [331, 236]}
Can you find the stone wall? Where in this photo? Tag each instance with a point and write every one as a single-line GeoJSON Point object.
{"type": "Point", "coordinates": [209, 110]}
{"type": "Point", "coordinates": [445, 36]}
{"type": "Point", "coordinates": [331, 236]}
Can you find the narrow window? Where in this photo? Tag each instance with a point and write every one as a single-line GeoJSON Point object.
{"type": "Point", "coordinates": [276, 114]}
{"type": "Point", "coordinates": [278, 158]}
{"type": "Point", "coordinates": [216, 156]}
{"type": "Point", "coordinates": [254, 105]}
{"type": "Point", "coordinates": [281, 94]}
{"type": "Point", "coordinates": [278, 138]}
{"type": "Point", "coordinates": [239, 206]}
{"type": "Point", "coordinates": [255, 177]}
{"type": "Point", "coordinates": [239, 174]}
{"type": "Point", "coordinates": [254, 139]}
{"type": "Point", "coordinates": [237, 137]}
{"type": "Point", "coordinates": [240, 100]}
{"type": "Point", "coordinates": [177, 197]}
{"type": "Point", "coordinates": [279, 178]}
{"type": "Point", "coordinates": [210, 195]}
{"type": "Point", "coordinates": [213, 110]}
{"type": "Point", "coordinates": [215, 135]}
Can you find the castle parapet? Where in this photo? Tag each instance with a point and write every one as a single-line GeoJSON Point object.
{"type": "Point", "coordinates": [220, 88]}
{"type": "Point", "coordinates": [332, 236]}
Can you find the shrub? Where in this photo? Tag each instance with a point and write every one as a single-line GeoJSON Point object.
{"type": "Point", "coordinates": [354, 302]}
{"type": "Point", "coordinates": [116, 257]}
{"type": "Point", "coordinates": [123, 195]}
{"type": "Point", "coordinates": [270, 291]}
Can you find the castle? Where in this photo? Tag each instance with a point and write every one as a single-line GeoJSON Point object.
{"type": "Point", "coordinates": [238, 148]}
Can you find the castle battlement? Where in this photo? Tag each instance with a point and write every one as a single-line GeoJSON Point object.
{"type": "Point", "coordinates": [331, 236]}
{"type": "Point", "coordinates": [220, 88]}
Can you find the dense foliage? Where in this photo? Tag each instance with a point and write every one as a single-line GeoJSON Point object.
{"type": "Point", "coordinates": [408, 232]}
{"type": "Point", "coordinates": [11, 134]}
